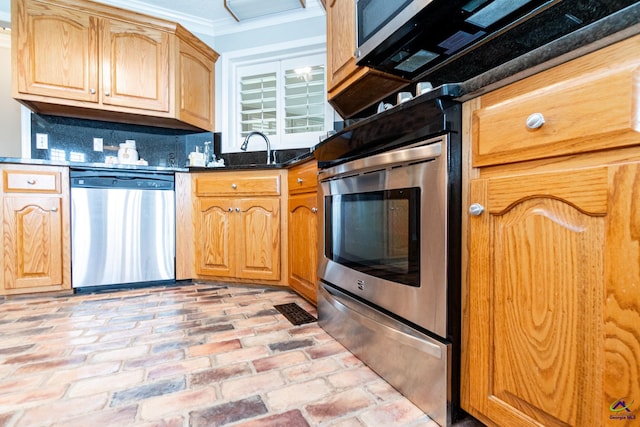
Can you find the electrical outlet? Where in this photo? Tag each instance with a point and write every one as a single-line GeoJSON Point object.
{"type": "Point", "coordinates": [97, 144]}
{"type": "Point", "coordinates": [42, 141]}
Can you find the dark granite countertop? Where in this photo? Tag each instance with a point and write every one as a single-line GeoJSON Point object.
{"type": "Point", "coordinates": [83, 165]}
{"type": "Point", "coordinates": [602, 33]}
{"type": "Point", "coordinates": [301, 158]}
{"type": "Point", "coordinates": [140, 168]}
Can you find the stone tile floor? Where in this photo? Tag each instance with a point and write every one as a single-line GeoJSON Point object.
{"type": "Point", "coordinates": [192, 355]}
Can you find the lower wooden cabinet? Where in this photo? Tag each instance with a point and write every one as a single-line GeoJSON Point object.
{"type": "Point", "coordinates": [237, 225]}
{"type": "Point", "coordinates": [238, 238]}
{"type": "Point", "coordinates": [537, 313]}
{"type": "Point", "coordinates": [551, 307]}
{"type": "Point", "coordinates": [303, 229]}
{"type": "Point", "coordinates": [35, 229]}
{"type": "Point", "coordinates": [303, 242]}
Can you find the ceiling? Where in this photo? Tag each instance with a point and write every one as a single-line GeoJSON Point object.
{"type": "Point", "coordinates": [210, 17]}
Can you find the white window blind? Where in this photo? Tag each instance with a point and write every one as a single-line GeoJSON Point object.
{"type": "Point", "coordinates": [283, 98]}
{"type": "Point", "coordinates": [258, 104]}
{"type": "Point", "coordinates": [304, 99]}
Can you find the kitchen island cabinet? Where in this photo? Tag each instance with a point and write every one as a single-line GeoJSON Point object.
{"type": "Point", "coordinates": [35, 229]}
{"type": "Point", "coordinates": [303, 229]}
{"type": "Point", "coordinates": [238, 225]}
{"type": "Point", "coordinates": [551, 306]}
{"type": "Point", "coordinates": [88, 60]}
{"type": "Point", "coordinates": [351, 88]}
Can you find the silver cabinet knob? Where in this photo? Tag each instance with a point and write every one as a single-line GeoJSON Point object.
{"type": "Point", "coordinates": [107, 94]}
{"type": "Point", "coordinates": [234, 186]}
{"type": "Point", "coordinates": [31, 182]}
{"type": "Point", "coordinates": [237, 209]}
{"type": "Point", "coordinates": [230, 209]}
{"type": "Point", "coordinates": [300, 180]}
{"type": "Point", "coordinates": [314, 210]}
{"type": "Point", "coordinates": [535, 121]}
{"type": "Point", "coordinates": [54, 209]}
{"type": "Point", "coordinates": [92, 91]}
{"type": "Point", "coordinates": [476, 209]}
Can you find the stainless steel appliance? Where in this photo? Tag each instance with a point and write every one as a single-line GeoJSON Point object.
{"type": "Point", "coordinates": [390, 270]}
{"type": "Point", "coordinates": [446, 41]}
{"type": "Point", "coordinates": [122, 228]}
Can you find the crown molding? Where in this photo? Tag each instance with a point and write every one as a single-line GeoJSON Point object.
{"type": "Point", "coordinates": [218, 26]}
{"type": "Point", "coordinates": [195, 24]}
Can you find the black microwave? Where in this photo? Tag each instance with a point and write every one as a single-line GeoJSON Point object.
{"type": "Point", "coordinates": [446, 41]}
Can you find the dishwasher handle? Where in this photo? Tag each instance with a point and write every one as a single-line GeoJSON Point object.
{"type": "Point", "coordinates": [122, 181]}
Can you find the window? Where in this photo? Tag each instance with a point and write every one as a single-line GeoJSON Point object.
{"type": "Point", "coordinates": [284, 98]}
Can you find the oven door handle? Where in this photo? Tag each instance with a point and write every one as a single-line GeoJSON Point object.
{"type": "Point", "coordinates": [385, 160]}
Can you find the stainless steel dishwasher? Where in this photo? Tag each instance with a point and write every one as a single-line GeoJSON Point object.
{"type": "Point", "coordinates": [122, 228]}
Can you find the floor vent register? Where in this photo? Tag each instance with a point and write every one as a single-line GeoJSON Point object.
{"type": "Point", "coordinates": [295, 314]}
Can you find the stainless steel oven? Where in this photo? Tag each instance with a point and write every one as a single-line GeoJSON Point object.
{"type": "Point", "coordinates": [389, 271]}
{"type": "Point", "coordinates": [385, 225]}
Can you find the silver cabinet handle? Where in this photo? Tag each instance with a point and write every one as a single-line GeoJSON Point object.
{"type": "Point", "coordinates": [314, 210]}
{"type": "Point", "coordinates": [237, 209]}
{"type": "Point", "coordinates": [476, 209]}
{"type": "Point", "coordinates": [31, 182]}
{"type": "Point", "coordinates": [300, 180]}
{"type": "Point", "coordinates": [535, 121]}
{"type": "Point", "coordinates": [230, 209]}
{"type": "Point", "coordinates": [107, 94]}
{"type": "Point", "coordinates": [92, 91]}
{"type": "Point", "coordinates": [234, 186]}
{"type": "Point", "coordinates": [54, 209]}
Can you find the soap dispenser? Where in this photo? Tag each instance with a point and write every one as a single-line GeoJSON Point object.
{"type": "Point", "coordinates": [207, 153]}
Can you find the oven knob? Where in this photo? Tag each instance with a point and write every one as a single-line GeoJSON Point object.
{"type": "Point", "coordinates": [360, 284]}
{"type": "Point", "coordinates": [476, 209]}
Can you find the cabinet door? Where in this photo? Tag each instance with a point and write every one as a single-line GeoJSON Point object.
{"type": "Point", "coordinates": [214, 237]}
{"type": "Point", "coordinates": [57, 52]}
{"type": "Point", "coordinates": [536, 295]}
{"type": "Point", "coordinates": [341, 40]}
{"type": "Point", "coordinates": [32, 239]}
{"type": "Point", "coordinates": [303, 244]}
{"type": "Point", "coordinates": [196, 86]}
{"type": "Point", "coordinates": [136, 63]}
{"type": "Point", "coordinates": [258, 234]}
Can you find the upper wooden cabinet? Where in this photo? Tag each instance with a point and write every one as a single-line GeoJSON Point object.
{"type": "Point", "coordinates": [135, 65]}
{"type": "Point", "coordinates": [88, 60]}
{"type": "Point", "coordinates": [351, 88]}
{"type": "Point", "coordinates": [551, 313]}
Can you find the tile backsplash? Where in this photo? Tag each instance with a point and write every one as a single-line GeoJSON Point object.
{"type": "Point", "coordinates": [71, 139]}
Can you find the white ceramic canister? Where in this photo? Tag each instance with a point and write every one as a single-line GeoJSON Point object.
{"type": "Point", "coordinates": [127, 152]}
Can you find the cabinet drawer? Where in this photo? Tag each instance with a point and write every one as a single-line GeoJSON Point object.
{"type": "Point", "coordinates": [227, 184]}
{"type": "Point", "coordinates": [587, 105]}
{"type": "Point", "coordinates": [303, 178]}
{"type": "Point", "coordinates": [16, 181]}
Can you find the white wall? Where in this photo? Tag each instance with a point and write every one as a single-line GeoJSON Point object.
{"type": "Point", "coordinates": [10, 116]}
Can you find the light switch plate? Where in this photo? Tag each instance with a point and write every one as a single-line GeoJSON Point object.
{"type": "Point", "coordinates": [97, 144]}
{"type": "Point", "coordinates": [42, 141]}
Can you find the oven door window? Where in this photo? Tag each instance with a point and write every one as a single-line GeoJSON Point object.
{"type": "Point", "coordinates": [377, 233]}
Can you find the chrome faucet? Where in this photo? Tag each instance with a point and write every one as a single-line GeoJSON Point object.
{"type": "Point", "coordinates": [243, 147]}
